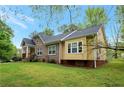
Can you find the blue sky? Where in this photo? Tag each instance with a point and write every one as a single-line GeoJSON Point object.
{"type": "Point", "coordinates": [23, 23]}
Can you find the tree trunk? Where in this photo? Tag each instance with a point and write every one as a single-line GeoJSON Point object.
{"type": "Point", "coordinates": [116, 54]}
{"type": "Point", "coordinates": [70, 15]}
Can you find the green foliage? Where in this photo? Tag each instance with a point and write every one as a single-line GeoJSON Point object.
{"type": "Point", "coordinates": [120, 18]}
{"type": "Point", "coordinates": [51, 75]}
{"type": "Point", "coordinates": [69, 28]}
{"type": "Point", "coordinates": [95, 16]}
{"type": "Point", "coordinates": [34, 34]}
{"type": "Point", "coordinates": [52, 61]}
{"type": "Point", "coordinates": [7, 49]}
{"type": "Point", "coordinates": [50, 12]}
{"type": "Point", "coordinates": [55, 13]}
{"type": "Point", "coordinates": [48, 31]}
{"type": "Point", "coordinates": [4, 27]}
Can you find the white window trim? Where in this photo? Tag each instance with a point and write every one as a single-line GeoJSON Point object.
{"type": "Point", "coordinates": [39, 51]}
{"type": "Point", "coordinates": [55, 49]}
{"type": "Point", "coordinates": [74, 47]}
{"type": "Point", "coordinates": [77, 48]}
{"type": "Point", "coordinates": [82, 47]}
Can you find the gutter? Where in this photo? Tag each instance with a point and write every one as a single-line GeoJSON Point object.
{"type": "Point", "coordinates": [41, 39]}
{"type": "Point", "coordinates": [67, 35]}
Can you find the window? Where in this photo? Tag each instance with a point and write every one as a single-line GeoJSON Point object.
{"type": "Point", "coordinates": [39, 51]}
{"type": "Point", "coordinates": [52, 50]}
{"type": "Point", "coordinates": [69, 48]}
{"type": "Point", "coordinates": [80, 47]}
{"type": "Point", "coordinates": [75, 47]}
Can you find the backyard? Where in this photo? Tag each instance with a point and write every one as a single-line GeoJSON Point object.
{"type": "Point", "coordinates": [39, 74]}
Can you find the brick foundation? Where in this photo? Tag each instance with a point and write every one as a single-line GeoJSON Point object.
{"type": "Point", "coordinates": [83, 63]}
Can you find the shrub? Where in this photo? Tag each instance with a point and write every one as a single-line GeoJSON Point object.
{"type": "Point", "coordinates": [35, 60]}
{"type": "Point", "coordinates": [43, 60]}
{"type": "Point", "coordinates": [52, 61]}
{"type": "Point", "coordinates": [16, 59]}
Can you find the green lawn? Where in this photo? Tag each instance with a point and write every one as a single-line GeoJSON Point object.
{"type": "Point", "coordinates": [44, 74]}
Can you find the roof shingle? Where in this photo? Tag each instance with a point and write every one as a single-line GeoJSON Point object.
{"type": "Point", "coordinates": [85, 32]}
{"type": "Point", "coordinates": [57, 38]}
{"type": "Point", "coordinates": [28, 41]}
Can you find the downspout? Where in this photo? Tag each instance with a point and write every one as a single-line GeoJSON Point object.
{"type": "Point", "coordinates": [95, 52]}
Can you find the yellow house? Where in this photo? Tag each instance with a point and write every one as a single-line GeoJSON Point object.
{"type": "Point", "coordinates": [80, 48]}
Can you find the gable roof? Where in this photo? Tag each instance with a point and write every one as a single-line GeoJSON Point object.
{"type": "Point", "coordinates": [61, 37]}
{"type": "Point", "coordinates": [70, 35]}
{"type": "Point", "coordinates": [85, 32]}
{"type": "Point", "coordinates": [52, 39]}
{"type": "Point", "coordinates": [28, 41]}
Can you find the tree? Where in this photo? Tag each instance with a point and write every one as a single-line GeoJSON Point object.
{"type": "Point", "coordinates": [54, 13]}
{"type": "Point", "coordinates": [48, 12]}
{"type": "Point", "coordinates": [69, 28]}
{"type": "Point", "coordinates": [34, 34]}
{"type": "Point", "coordinates": [95, 16]}
{"type": "Point", "coordinates": [48, 31]}
{"type": "Point", "coordinates": [118, 30]}
{"type": "Point", "coordinates": [115, 32]}
{"type": "Point", "coordinates": [120, 19]}
{"type": "Point", "coordinates": [70, 12]}
{"type": "Point", "coordinates": [7, 49]}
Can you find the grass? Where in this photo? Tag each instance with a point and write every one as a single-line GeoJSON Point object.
{"type": "Point", "coordinates": [43, 74]}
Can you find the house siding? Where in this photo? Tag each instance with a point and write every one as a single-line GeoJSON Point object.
{"type": "Point", "coordinates": [86, 57]}
{"type": "Point", "coordinates": [39, 44]}
{"type": "Point", "coordinates": [90, 51]}
{"type": "Point", "coordinates": [101, 38]}
{"type": "Point", "coordinates": [76, 56]}
{"type": "Point", "coordinates": [56, 56]}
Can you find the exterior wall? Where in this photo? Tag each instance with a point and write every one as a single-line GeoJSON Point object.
{"type": "Point", "coordinates": [62, 49]}
{"type": "Point", "coordinates": [76, 56]}
{"type": "Point", "coordinates": [90, 51]}
{"type": "Point", "coordinates": [101, 38]}
{"type": "Point", "coordinates": [83, 63]}
{"type": "Point", "coordinates": [40, 44]}
{"type": "Point", "coordinates": [56, 56]}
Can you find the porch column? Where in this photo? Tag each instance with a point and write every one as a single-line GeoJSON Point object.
{"type": "Point", "coordinates": [27, 52]}
{"type": "Point", "coordinates": [22, 52]}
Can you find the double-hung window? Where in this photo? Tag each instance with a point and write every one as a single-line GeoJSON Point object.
{"type": "Point", "coordinates": [69, 48]}
{"type": "Point", "coordinates": [39, 51]}
{"type": "Point", "coordinates": [75, 47]}
{"type": "Point", "coordinates": [79, 47]}
{"type": "Point", "coordinates": [52, 50]}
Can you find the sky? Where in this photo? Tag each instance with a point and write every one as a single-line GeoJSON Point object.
{"type": "Point", "coordinates": [24, 23]}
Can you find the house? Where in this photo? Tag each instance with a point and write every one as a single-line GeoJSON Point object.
{"type": "Point", "coordinates": [81, 48]}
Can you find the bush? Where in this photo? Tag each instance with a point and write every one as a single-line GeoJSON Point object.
{"type": "Point", "coordinates": [16, 59]}
{"type": "Point", "coordinates": [35, 60]}
{"type": "Point", "coordinates": [52, 61]}
{"type": "Point", "coordinates": [43, 60]}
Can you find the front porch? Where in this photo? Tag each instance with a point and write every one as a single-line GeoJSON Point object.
{"type": "Point", "coordinates": [28, 52]}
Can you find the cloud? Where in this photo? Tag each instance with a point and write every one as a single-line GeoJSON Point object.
{"type": "Point", "coordinates": [10, 18]}
{"type": "Point", "coordinates": [17, 22]}
{"type": "Point", "coordinates": [27, 18]}
{"type": "Point", "coordinates": [22, 17]}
